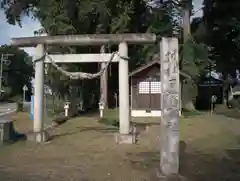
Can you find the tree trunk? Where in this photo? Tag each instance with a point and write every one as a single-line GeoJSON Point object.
{"type": "Point", "coordinates": [188, 105]}
{"type": "Point", "coordinates": [188, 93]}
{"type": "Point", "coordinates": [186, 89]}
{"type": "Point", "coordinates": [73, 111]}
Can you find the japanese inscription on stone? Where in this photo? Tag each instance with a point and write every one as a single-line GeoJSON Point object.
{"type": "Point", "coordinates": [170, 89]}
{"type": "Point", "coordinates": [170, 106]}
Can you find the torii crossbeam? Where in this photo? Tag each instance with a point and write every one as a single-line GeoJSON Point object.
{"type": "Point", "coordinates": [85, 40]}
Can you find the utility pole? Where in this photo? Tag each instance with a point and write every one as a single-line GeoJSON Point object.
{"type": "Point", "coordinates": [5, 61]}
{"type": "Point", "coordinates": [1, 69]}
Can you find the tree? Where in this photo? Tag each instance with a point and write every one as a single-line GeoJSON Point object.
{"type": "Point", "coordinates": [193, 51]}
{"type": "Point", "coordinates": [106, 16]}
{"type": "Point", "coordinates": [18, 73]}
{"type": "Point", "coordinates": [95, 16]}
{"type": "Point", "coordinates": [222, 21]}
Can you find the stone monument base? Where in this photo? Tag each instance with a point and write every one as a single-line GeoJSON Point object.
{"type": "Point", "coordinates": [170, 177]}
{"type": "Point", "coordinates": [38, 137]}
{"type": "Point", "coordinates": [126, 138]}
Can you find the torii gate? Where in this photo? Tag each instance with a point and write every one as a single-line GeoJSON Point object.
{"type": "Point", "coordinates": [169, 137]}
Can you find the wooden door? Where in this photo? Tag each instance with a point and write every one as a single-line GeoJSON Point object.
{"type": "Point", "coordinates": [155, 93]}
{"type": "Point", "coordinates": [143, 96]}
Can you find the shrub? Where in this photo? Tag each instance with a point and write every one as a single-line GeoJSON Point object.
{"type": "Point", "coordinates": [20, 106]}
{"type": "Point", "coordinates": [110, 122]}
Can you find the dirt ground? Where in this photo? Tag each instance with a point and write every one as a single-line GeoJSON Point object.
{"type": "Point", "coordinates": [84, 150]}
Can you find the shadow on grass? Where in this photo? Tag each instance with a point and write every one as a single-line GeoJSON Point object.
{"type": "Point", "coordinates": [194, 166]}
{"type": "Point", "coordinates": [140, 126]}
{"type": "Point", "coordinates": [228, 112]}
{"type": "Point", "coordinates": [231, 113]}
{"type": "Point", "coordinates": [86, 129]}
{"type": "Point", "coordinates": [18, 137]}
{"type": "Point", "coordinates": [14, 136]}
{"type": "Point", "coordinates": [187, 113]}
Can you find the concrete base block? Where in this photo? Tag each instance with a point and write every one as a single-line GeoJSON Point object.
{"type": "Point", "coordinates": [173, 178]}
{"type": "Point", "coordinates": [126, 138]}
{"type": "Point", "coordinates": [147, 127]}
{"type": "Point", "coordinates": [170, 177]}
{"type": "Point", "coordinates": [38, 137]}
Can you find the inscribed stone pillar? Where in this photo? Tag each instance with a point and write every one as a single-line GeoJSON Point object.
{"type": "Point", "coordinates": [169, 153]}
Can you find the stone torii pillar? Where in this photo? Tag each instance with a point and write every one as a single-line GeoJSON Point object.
{"type": "Point", "coordinates": [124, 111]}
{"type": "Point", "coordinates": [38, 122]}
{"type": "Point", "coordinates": [104, 81]}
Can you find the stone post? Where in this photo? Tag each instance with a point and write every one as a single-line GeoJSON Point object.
{"type": "Point", "coordinates": [104, 82]}
{"type": "Point", "coordinates": [124, 108]}
{"type": "Point", "coordinates": [169, 151]}
{"type": "Point", "coordinates": [39, 95]}
{"type": "Point", "coordinates": [124, 115]}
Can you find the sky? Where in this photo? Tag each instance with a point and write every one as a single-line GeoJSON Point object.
{"type": "Point", "coordinates": [29, 25]}
{"type": "Point", "coordinates": [197, 7]}
{"type": "Point", "coordinates": [9, 31]}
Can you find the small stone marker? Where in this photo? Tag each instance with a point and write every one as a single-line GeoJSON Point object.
{"type": "Point", "coordinates": [101, 108]}
{"type": "Point", "coordinates": [66, 108]}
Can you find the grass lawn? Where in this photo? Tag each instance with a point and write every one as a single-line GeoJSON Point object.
{"type": "Point", "coordinates": [232, 113]}
{"type": "Point", "coordinates": [84, 149]}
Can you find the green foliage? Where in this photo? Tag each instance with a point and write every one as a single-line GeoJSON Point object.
{"type": "Point", "coordinates": [18, 73]}
{"type": "Point", "coordinates": [195, 58]}
{"type": "Point", "coordinates": [15, 98]}
{"type": "Point", "coordinates": [109, 121]}
{"type": "Point", "coordinates": [194, 61]}
{"type": "Point", "coordinates": [7, 93]}
{"type": "Point", "coordinates": [187, 113]}
{"type": "Point", "coordinates": [20, 106]}
{"type": "Point", "coordinates": [90, 17]}
{"type": "Point", "coordinates": [199, 31]}
{"type": "Point", "coordinates": [222, 20]}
